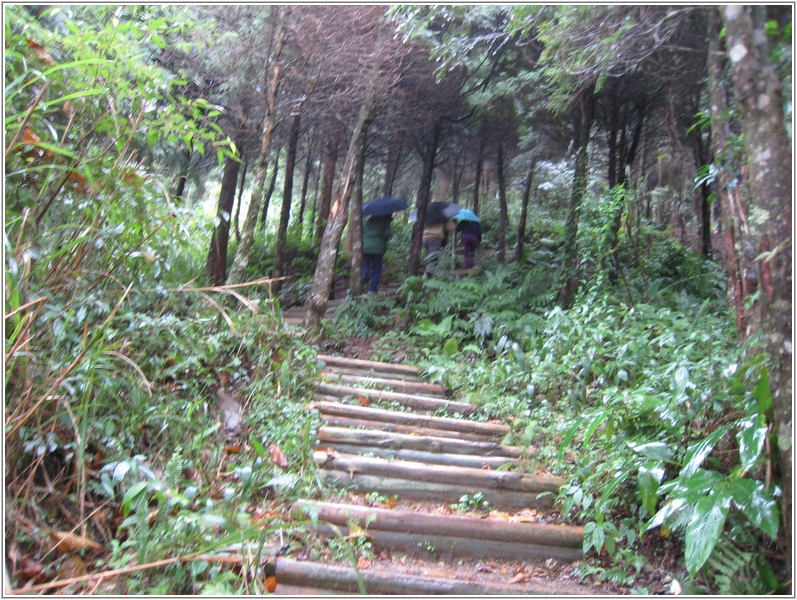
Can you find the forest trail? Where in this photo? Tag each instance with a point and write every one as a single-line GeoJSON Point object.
{"type": "Point", "coordinates": [416, 486]}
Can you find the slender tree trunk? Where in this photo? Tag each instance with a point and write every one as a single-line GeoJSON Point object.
{"type": "Point", "coordinates": [567, 293]}
{"type": "Point", "coordinates": [238, 270]}
{"type": "Point", "coordinates": [769, 160]}
{"type": "Point", "coordinates": [457, 179]}
{"type": "Point", "coordinates": [524, 205]}
{"type": "Point", "coordinates": [241, 186]}
{"type": "Point", "coordinates": [391, 168]}
{"type": "Point", "coordinates": [478, 177]}
{"type": "Point", "coordinates": [327, 181]}
{"type": "Point", "coordinates": [216, 265]}
{"type": "Point", "coordinates": [503, 219]}
{"type": "Point", "coordinates": [424, 193]}
{"type": "Point", "coordinates": [270, 192]}
{"type": "Point", "coordinates": [356, 225]}
{"type": "Point", "coordinates": [305, 183]}
{"type": "Point", "coordinates": [179, 191]}
{"type": "Point", "coordinates": [323, 277]}
{"type": "Point", "coordinates": [287, 196]}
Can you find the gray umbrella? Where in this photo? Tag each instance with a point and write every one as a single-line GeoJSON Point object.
{"type": "Point", "coordinates": [437, 212]}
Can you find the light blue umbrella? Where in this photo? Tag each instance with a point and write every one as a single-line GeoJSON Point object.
{"type": "Point", "coordinates": [465, 214]}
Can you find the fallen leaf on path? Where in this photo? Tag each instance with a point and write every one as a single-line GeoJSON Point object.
{"type": "Point", "coordinates": [519, 578]}
{"type": "Point", "coordinates": [363, 401]}
{"type": "Point", "coordinates": [355, 531]}
{"type": "Point", "coordinates": [497, 514]}
{"type": "Point", "coordinates": [30, 569]}
{"type": "Point", "coordinates": [362, 563]}
{"type": "Point", "coordinates": [234, 449]}
{"type": "Point", "coordinates": [277, 456]}
{"type": "Point", "coordinates": [73, 566]}
{"type": "Point", "coordinates": [391, 502]}
{"type": "Point", "coordinates": [66, 542]}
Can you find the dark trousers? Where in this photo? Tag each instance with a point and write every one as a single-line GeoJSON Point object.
{"type": "Point", "coordinates": [469, 244]}
{"type": "Point", "coordinates": [372, 267]}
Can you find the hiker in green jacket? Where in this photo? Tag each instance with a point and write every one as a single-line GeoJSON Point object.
{"type": "Point", "coordinates": [376, 233]}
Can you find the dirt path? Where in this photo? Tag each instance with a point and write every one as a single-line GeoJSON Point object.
{"type": "Point", "coordinates": [432, 500]}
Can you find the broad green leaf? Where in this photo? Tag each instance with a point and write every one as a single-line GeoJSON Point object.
{"type": "Point", "coordinates": [451, 347]}
{"type": "Point", "coordinates": [763, 393]}
{"type": "Point", "coordinates": [594, 424]}
{"type": "Point", "coordinates": [751, 442]}
{"type": "Point", "coordinates": [757, 504]}
{"type": "Point", "coordinates": [261, 451]}
{"type": "Point", "coordinates": [703, 531]}
{"type": "Point", "coordinates": [131, 495]}
{"type": "Point", "coordinates": [698, 451]}
{"type": "Point", "coordinates": [648, 486]}
{"type": "Point", "coordinates": [692, 488]}
{"type": "Point", "coordinates": [655, 450]}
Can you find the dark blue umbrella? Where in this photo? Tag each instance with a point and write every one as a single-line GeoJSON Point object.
{"type": "Point", "coordinates": [380, 207]}
{"type": "Point", "coordinates": [437, 212]}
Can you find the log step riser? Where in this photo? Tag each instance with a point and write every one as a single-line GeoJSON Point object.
{"type": "Point", "coordinates": [401, 441]}
{"type": "Point", "coordinates": [394, 385]}
{"type": "Point", "coordinates": [335, 407]}
{"type": "Point", "coordinates": [443, 493]}
{"type": "Point", "coordinates": [454, 460]}
{"type": "Point", "coordinates": [344, 579]}
{"type": "Point", "coordinates": [418, 402]}
{"type": "Point", "coordinates": [443, 547]}
{"type": "Point", "coordinates": [332, 421]}
{"type": "Point", "coordinates": [475, 477]}
{"type": "Point", "coordinates": [367, 372]}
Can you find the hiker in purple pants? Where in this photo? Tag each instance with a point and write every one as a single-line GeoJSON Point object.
{"type": "Point", "coordinates": [471, 235]}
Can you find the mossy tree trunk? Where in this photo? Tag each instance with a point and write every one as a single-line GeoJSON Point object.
{"type": "Point", "coordinates": [287, 195]}
{"type": "Point", "coordinates": [524, 207]}
{"type": "Point", "coordinates": [274, 69]}
{"type": "Point", "coordinates": [424, 193]}
{"type": "Point", "coordinates": [355, 245]}
{"type": "Point", "coordinates": [769, 159]}
{"type": "Point", "coordinates": [585, 115]}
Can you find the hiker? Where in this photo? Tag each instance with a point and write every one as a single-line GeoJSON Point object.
{"type": "Point", "coordinates": [471, 236]}
{"type": "Point", "coordinates": [435, 237]}
{"type": "Point", "coordinates": [376, 233]}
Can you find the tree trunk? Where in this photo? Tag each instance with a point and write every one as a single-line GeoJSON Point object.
{"type": "Point", "coordinates": [524, 205]}
{"type": "Point", "coordinates": [216, 265]}
{"type": "Point", "coordinates": [241, 186]}
{"type": "Point", "coordinates": [356, 226]}
{"type": "Point", "coordinates": [238, 270]}
{"type": "Point", "coordinates": [328, 253]}
{"type": "Point", "coordinates": [502, 222]}
{"type": "Point", "coordinates": [586, 106]}
{"type": "Point", "coordinates": [769, 160]}
{"type": "Point", "coordinates": [391, 168]}
{"type": "Point", "coordinates": [477, 179]}
{"type": "Point", "coordinates": [287, 196]}
{"type": "Point", "coordinates": [270, 192]}
{"type": "Point", "coordinates": [424, 193]}
{"type": "Point", "coordinates": [308, 167]}
{"type": "Point", "coordinates": [325, 195]}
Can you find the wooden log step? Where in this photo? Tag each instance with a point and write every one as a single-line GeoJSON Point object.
{"type": "Point", "coordinates": [456, 460]}
{"type": "Point", "coordinates": [342, 361]}
{"type": "Point", "coordinates": [397, 385]}
{"type": "Point", "coordinates": [392, 416]}
{"type": "Point", "coordinates": [334, 421]}
{"type": "Point", "coordinates": [370, 373]}
{"type": "Point", "coordinates": [469, 476]}
{"type": "Point", "coordinates": [446, 546]}
{"type": "Point", "coordinates": [461, 526]}
{"type": "Point", "coordinates": [344, 579]}
{"type": "Point", "coordinates": [425, 443]}
{"type": "Point", "coordinates": [419, 402]}
{"type": "Point", "coordinates": [444, 493]}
